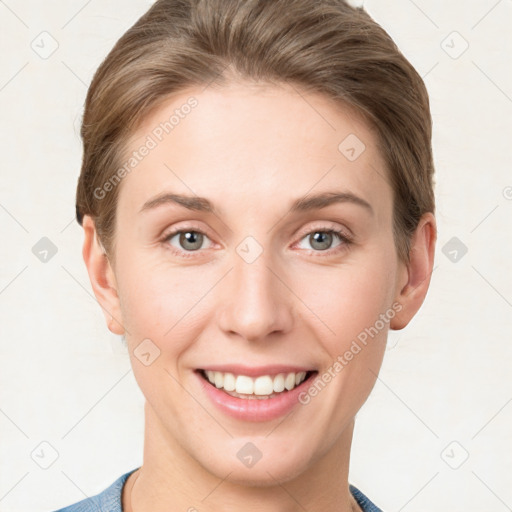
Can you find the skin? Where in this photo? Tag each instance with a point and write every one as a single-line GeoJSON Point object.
{"type": "Point", "coordinates": [252, 150]}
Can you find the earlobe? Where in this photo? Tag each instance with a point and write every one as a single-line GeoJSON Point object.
{"type": "Point", "coordinates": [419, 270]}
{"type": "Point", "coordinates": [101, 276]}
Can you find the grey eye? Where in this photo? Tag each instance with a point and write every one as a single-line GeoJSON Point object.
{"type": "Point", "coordinates": [320, 240]}
{"type": "Point", "coordinates": [189, 240]}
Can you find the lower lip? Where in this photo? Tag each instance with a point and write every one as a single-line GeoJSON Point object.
{"type": "Point", "coordinates": [265, 409]}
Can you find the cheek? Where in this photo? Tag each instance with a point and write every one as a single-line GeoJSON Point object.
{"type": "Point", "coordinates": [165, 304]}
{"type": "Point", "coordinates": [153, 296]}
{"type": "Point", "coordinates": [350, 298]}
{"type": "Point", "coordinates": [161, 304]}
{"type": "Point", "coordinates": [353, 305]}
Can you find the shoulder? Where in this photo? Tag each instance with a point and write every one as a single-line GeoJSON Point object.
{"type": "Point", "coordinates": [363, 501]}
{"type": "Point", "coordinates": [108, 500]}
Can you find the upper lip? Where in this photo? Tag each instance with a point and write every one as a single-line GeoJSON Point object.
{"type": "Point", "coordinates": [255, 371]}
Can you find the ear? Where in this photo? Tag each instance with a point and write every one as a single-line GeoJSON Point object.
{"type": "Point", "coordinates": [416, 274]}
{"type": "Point", "coordinates": [101, 276]}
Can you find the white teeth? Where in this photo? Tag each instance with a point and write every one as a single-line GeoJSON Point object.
{"type": "Point", "coordinates": [289, 382]}
{"type": "Point", "coordinates": [279, 383]}
{"type": "Point", "coordinates": [244, 385]}
{"type": "Point", "coordinates": [229, 382]}
{"type": "Point", "coordinates": [264, 385]}
{"type": "Point", "coordinates": [219, 379]}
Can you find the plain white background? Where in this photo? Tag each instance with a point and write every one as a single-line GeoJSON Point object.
{"type": "Point", "coordinates": [436, 432]}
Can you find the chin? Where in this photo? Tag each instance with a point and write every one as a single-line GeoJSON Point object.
{"type": "Point", "coordinates": [264, 472]}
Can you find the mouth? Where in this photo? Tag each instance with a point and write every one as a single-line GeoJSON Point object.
{"type": "Point", "coordinates": [256, 387]}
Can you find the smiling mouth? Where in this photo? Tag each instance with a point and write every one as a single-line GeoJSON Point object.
{"type": "Point", "coordinates": [259, 388]}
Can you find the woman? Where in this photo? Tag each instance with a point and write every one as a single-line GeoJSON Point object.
{"type": "Point", "coordinates": [257, 201]}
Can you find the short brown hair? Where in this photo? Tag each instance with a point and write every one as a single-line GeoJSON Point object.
{"type": "Point", "coordinates": [323, 46]}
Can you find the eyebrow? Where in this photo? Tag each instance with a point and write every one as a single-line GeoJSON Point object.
{"type": "Point", "coordinates": [302, 204]}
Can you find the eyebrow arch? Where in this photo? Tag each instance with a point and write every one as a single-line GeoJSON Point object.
{"type": "Point", "coordinates": [302, 204]}
{"type": "Point", "coordinates": [189, 202]}
{"type": "Point", "coordinates": [325, 199]}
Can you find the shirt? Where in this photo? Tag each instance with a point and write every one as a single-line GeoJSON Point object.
{"type": "Point", "coordinates": [109, 500]}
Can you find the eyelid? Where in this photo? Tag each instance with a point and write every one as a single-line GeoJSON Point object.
{"type": "Point", "coordinates": [189, 226]}
{"type": "Point", "coordinates": [326, 226]}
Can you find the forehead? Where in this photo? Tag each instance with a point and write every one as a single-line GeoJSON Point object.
{"type": "Point", "coordinates": [247, 140]}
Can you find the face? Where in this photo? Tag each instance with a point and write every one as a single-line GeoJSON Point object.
{"type": "Point", "coordinates": [251, 278]}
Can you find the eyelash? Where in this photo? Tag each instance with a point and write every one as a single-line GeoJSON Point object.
{"type": "Point", "coordinates": [342, 235]}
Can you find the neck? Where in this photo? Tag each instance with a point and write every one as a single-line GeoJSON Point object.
{"type": "Point", "coordinates": [169, 479]}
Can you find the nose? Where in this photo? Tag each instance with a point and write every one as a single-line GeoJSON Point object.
{"type": "Point", "coordinates": [255, 300]}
